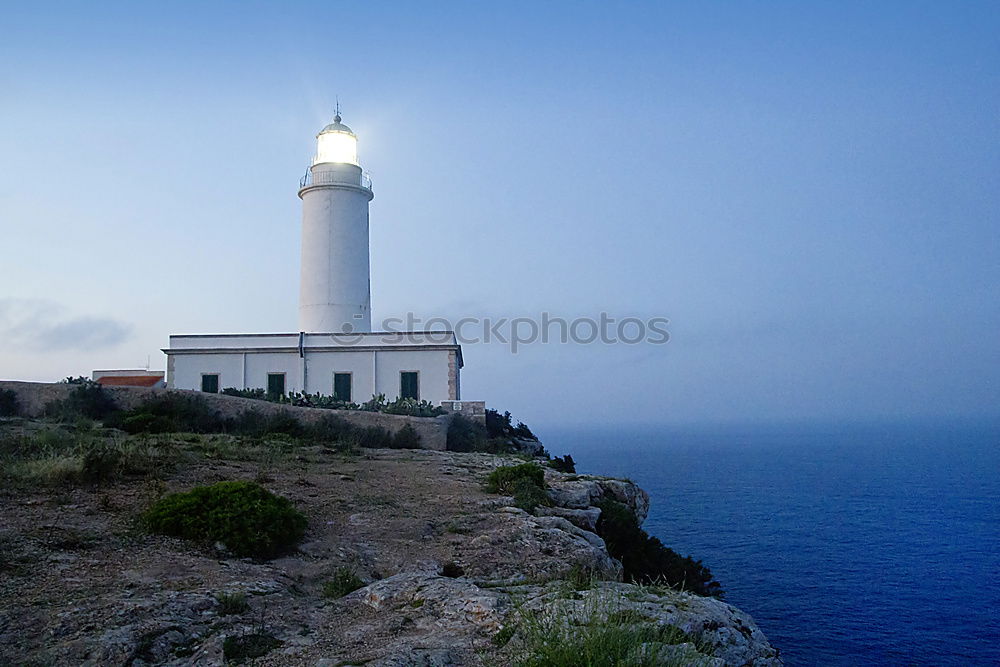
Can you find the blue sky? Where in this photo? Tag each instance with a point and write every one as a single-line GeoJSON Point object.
{"type": "Point", "coordinates": [810, 192]}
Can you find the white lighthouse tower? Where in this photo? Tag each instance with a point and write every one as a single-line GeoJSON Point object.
{"type": "Point", "coordinates": [335, 291]}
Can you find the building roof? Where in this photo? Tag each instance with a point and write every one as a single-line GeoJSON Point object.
{"type": "Point", "coordinates": [130, 380]}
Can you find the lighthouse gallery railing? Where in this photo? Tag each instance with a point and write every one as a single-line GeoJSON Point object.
{"type": "Point", "coordinates": [328, 178]}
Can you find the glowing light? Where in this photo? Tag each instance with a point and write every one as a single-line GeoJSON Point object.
{"type": "Point", "coordinates": [337, 146]}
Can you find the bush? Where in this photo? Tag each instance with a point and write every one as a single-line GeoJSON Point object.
{"type": "Point", "coordinates": [467, 435]}
{"type": "Point", "coordinates": [8, 403]}
{"type": "Point", "coordinates": [645, 559]}
{"type": "Point", "coordinates": [169, 413]}
{"type": "Point", "coordinates": [100, 465]}
{"type": "Point", "coordinates": [526, 482]}
{"type": "Point", "coordinates": [232, 603]}
{"type": "Point", "coordinates": [406, 438]}
{"type": "Point", "coordinates": [344, 581]}
{"type": "Point", "coordinates": [504, 478]}
{"type": "Point", "coordinates": [378, 403]}
{"type": "Point", "coordinates": [528, 495]}
{"type": "Point", "coordinates": [145, 422]}
{"type": "Point", "coordinates": [464, 435]}
{"type": "Point", "coordinates": [239, 649]}
{"type": "Point", "coordinates": [500, 426]}
{"type": "Point", "coordinates": [248, 519]}
{"type": "Point", "coordinates": [564, 464]}
{"type": "Point", "coordinates": [87, 399]}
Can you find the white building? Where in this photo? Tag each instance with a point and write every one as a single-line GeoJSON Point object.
{"type": "Point", "coordinates": [335, 351]}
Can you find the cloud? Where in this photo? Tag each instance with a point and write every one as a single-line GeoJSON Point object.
{"type": "Point", "coordinates": [39, 325]}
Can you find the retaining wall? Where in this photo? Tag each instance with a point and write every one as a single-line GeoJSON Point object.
{"type": "Point", "coordinates": [32, 398]}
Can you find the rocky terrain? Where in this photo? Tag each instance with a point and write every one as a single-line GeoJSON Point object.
{"type": "Point", "coordinates": [454, 575]}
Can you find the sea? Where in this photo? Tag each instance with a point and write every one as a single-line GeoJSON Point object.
{"type": "Point", "coordinates": [849, 544]}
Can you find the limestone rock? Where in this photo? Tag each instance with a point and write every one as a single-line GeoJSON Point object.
{"type": "Point", "coordinates": [455, 604]}
{"type": "Point", "coordinates": [582, 493]}
{"type": "Point", "coordinates": [581, 518]}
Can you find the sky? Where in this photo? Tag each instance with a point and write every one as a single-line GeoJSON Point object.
{"type": "Point", "coordinates": [809, 192]}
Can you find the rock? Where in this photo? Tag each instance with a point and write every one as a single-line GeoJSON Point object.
{"type": "Point", "coordinates": [629, 494]}
{"type": "Point", "coordinates": [604, 564]}
{"type": "Point", "coordinates": [441, 657]}
{"type": "Point", "coordinates": [529, 447]}
{"type": "Point", "coordinates": [581, 518]}
{"type": "Point", "coordinates": [524, 547]}
{"type": "Point", "coordinates": [583, 493]}
{"type": "Point", "coordinates": [455, 604]}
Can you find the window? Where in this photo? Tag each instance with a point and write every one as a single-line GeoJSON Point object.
{"type": "Point", "coordinates": [275, 384]}
{"type": "Point", "coordinates": [409, 385]}
{"type": "Point", "coordinates": [210, 382]}
{"type": "Point", "coordinates": [342, 387]}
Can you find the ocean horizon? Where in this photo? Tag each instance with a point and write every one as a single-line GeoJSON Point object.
{"type": "Point", "coordinates": [849, 543]}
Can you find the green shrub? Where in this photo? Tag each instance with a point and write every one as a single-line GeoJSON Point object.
{"type": "Point", "coordinates": [169, 413]}
{"type": "Point", "coordinates": [100, 464]}
{"type": "Point", "coordinates": [248, 519]}
{"type": "Point", "coordinates": [8, 403]}
{"type": "Point", "coordinates": [378, 403]}
{"type": "Point", "coordinates": [465, 435]}
{"type": "Point", "coordinates": [528, 495]}
{"type": "Point", "coordinates": [371, 437]}
{"type": "Point", "coordinates": [239, 649]}
{"type": "Point", "coordinates": [503, 479]}
{"type": "Point", "coordinates": [526, 482]}
{"type": "Point", "coordinates": [564, 464]}
{"type": "Point", "coordinates": [344, 581]}
{"type": "Point", "coordinates": [231, 604]}
{"type": "Point", "coordinates": [645, 559]}
{"type": "Point", "coordinates": [87, 399]}
{"type": "Point", "coordinates": [145, 422]}
{"type": "Point", "coordinates": [406, 438]}
{"type": "Point", "coordinates": [501, 426]}
{"type": "Point", "coordinates": [257, 394]}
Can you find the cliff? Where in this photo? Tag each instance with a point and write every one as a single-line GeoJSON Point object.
{"type": "Point", "coordinates": [452, 575]}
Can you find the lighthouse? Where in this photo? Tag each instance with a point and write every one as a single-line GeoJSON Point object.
{"type": "Point", "coordinates": [335, 352]}
{"type": "Point", "coordinates": [335, 287]}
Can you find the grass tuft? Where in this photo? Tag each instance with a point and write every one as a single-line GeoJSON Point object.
{"type": "Point", "coordinates": [232, 604]}
{"type": "Point", "coordinates": [344, 581]}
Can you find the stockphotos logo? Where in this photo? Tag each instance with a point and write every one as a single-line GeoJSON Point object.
{"type": "Point", "coordinates": [516, 332]}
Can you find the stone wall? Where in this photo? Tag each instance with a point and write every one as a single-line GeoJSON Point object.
{"type": "Point", "coordinates": [32, 398]}
{"type": "Point", "coordinates": [475, 410]}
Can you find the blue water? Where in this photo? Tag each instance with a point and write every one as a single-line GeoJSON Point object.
{"type": "Point", "coordinates": [849, 545]}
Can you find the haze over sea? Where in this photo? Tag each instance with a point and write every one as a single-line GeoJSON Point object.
{"type": "Point", "coordinates": [849, 544]}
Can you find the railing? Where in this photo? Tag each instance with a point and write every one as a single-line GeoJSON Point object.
{"type": "Point", "coordinates": [333, 178]}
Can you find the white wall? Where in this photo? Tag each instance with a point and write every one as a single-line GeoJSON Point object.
{"type": "Point", "coordinates": [184, 370]}
{"type": "Point", "coordinates": [432, 365]}
{"type": "Point", "coordinates": [321, 366]}
{"type": "Point", "coordinates": [383, 365]}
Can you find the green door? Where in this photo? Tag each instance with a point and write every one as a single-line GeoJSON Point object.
{"type": "Point", "coordinates": [342, 387]}
{"type": "Point", "coordinates": [210, 383]}
{"type": "Point", "coordinates": [275, 384]}
{"type": "Point", "coordinates": [409, 385]}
